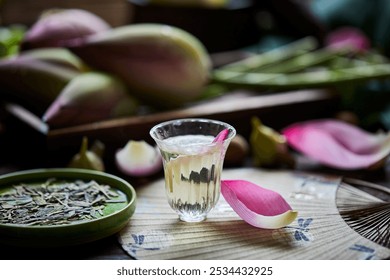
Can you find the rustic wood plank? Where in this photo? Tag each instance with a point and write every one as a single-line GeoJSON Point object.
{"type": "Point", "coordinates": [229, 108]}
{"type": "Point", "coordinates": [276, 110]}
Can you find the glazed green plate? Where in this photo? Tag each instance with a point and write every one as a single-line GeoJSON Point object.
{"type": "Point", "coordinates": [84, 231]}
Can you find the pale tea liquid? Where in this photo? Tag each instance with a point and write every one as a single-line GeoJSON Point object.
{"type": "Point", "coordinates": [192, 169]}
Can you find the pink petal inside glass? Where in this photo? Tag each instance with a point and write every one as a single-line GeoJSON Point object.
{"type": "Point", "coordinates": [338, 144]}
{"type": "Point", "coordinates": [258, 206]}
{"type": "Point", "coordinates": [221, 136]}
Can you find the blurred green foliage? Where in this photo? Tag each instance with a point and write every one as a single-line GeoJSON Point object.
{"type": "Point", "coordinates": [10, 38]}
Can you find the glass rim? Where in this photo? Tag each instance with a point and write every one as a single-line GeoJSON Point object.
{"type": "Point", "coordinates": [232, 130]}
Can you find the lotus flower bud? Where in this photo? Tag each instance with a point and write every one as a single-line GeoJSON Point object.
{"type": "Point", "coordinates": [90, 97]}
{"type": "Point", "coordinates": [87, 159]}
{"type": "Point", "coordinates": [33, 83]}
{"type": "Point", "coordinates": [55, 27]}
{"type": "Point", "coordinates": [163, 65]}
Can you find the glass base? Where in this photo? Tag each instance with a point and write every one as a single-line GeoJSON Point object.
{"type": "Point", "coordinates": [191, 219]}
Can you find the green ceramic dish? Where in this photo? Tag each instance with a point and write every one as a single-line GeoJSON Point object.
{"type": "Point", "coordinates": [69, 234]}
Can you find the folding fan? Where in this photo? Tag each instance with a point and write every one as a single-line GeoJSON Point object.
{"type": "Point", "coordinates": [335, 221]}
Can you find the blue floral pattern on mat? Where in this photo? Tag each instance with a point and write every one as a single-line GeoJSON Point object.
{"type": "Point", "coordinates": [301, 229]}
{"type": "Point", "coordinates": [138, 244]}
{"type": "Point", "coordinates": [367, 251]}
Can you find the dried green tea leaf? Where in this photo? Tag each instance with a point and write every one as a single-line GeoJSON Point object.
{"type": "Point", "coordinates": [56, 202]}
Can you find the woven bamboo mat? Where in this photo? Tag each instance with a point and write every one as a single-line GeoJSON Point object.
{"type": "Point", "coordinates": [319, 232]}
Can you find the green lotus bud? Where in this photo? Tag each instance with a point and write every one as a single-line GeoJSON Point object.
{"type": "Point", "coordinates": [57, 56]}
{"type": "Point", "coordinates": [57, 26]}
{"type": "Point", "coordinates": [162, 65]}
{"type": "Point", "coordinates": [32, 82]}
{"type": "Point", "coordinates": [90, 97]}
{"type": "Point", "coordinates": [86, 159]}
{"type": "Point", "coordinates": [268, 146]}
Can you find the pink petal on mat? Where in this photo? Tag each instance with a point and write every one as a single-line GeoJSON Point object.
{"type": "Point", "coordinates": [257, 206]}
{"type": "Point", "coordinates": [338, 144]}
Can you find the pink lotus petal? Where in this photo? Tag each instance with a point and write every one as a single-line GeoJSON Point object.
{"type": "Point", "coordinates": [257, 206]}
{"type": "Point", "coordinates": [138, 159]}
{"type": "Point", "coordinates": [349, 37]}
{"type": "Point", "coordinates": [338, 144]}
{"type": "Point", "coordinates": [221, 136]}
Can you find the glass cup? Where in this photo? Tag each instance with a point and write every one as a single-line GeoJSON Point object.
{"type": "Point", "coordinates": [192, 164]}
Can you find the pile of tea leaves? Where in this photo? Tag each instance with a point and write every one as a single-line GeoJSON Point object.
{"type": "Point", "coordinates": [55, 202]}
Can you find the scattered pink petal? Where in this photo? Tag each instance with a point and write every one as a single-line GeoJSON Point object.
{"type": "Point", "coordinates": [257, 206]}
{"type": "Point", "coordinates": [338, 144]}
{"type": "Point", "coordinates": [138, 159]}
{"type": "Point", "coordinates": [348, 37]}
